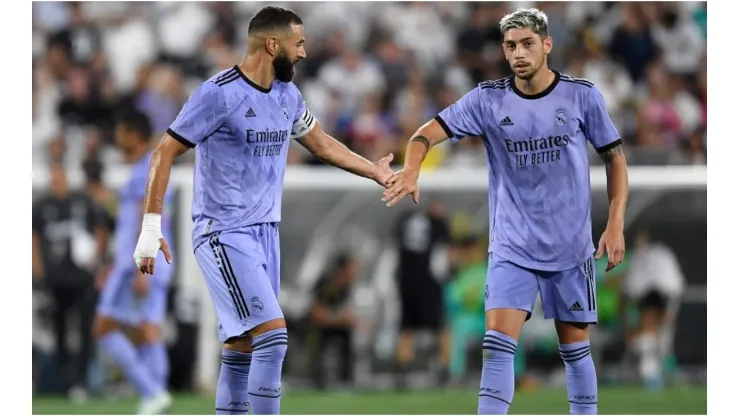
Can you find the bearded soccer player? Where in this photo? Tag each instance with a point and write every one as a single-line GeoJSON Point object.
{"type": "Point", "coordinates": [536, 126]}
{"type": "Point", "coordinates": [240, 123]}
{"type": "Point", "coordinates": [129, 298]}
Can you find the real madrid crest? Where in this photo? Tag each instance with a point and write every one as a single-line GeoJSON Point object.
{"type": "Point", "coordinates": [561, 117]}
{"type": "Point", "coordinates": [284, 107]}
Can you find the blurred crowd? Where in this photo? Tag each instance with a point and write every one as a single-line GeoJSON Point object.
{"type": "Point", "coordinates": [374, 72]}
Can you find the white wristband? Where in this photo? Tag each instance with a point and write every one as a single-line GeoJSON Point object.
{"type": "Point", "coordinates": [152, 222]}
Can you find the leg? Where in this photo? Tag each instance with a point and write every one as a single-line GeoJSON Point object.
{"type": "Point", "coordinates": [652, 313]}
{"type": "Point", "coordinates": [346, 361]}
{"type": "Point", "coordinates": [569, 298]}
{"type": "Point", "coordinates": [152, 350]}
{"type": "Point", "coordinates": [86, 309]}
{"type": "Point", "coordinates": [510, 293]}
{"type": "Point", "coordinates": [116, 304]}
{"type": "Point", "coordinates": [59, 321]}
{"type": "Point", "coordinates": [251, 325]}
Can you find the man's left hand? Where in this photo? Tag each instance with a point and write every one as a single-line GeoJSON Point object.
{"type": "Point", "coordinates": [612, 241]}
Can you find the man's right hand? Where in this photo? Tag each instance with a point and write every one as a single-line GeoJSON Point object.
{"type": "Point", "coordinates": [401, 184]}
{"type": "Point", "coordinates": [149, 244]}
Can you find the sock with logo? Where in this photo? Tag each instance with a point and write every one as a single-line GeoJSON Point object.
{"type": "Point", "coordinates": [232, 397]}
{"type": "Point", "coordinates": [127, 358]}
{"type": "Point", "coordinates": [268, 352]}
{"type": "Point", "coordinates": [580, 376]}
{"type": "Point", "coordinates": [154, 356]}
{"type": "Point", "coordinates": [497, 379]}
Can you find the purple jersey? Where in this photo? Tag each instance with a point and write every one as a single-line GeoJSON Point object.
{"type": "Point", "coordinates": [131, 211]}
{"type": "Point", "coordinates": [538, 166]}
{"type": "Point", "coordinates": [241, 133]}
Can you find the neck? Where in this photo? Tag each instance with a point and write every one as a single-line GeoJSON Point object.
{"type": "Point", "coordinates": [538, 83]}
{"type": "Point", "coordinates": [259, 70]}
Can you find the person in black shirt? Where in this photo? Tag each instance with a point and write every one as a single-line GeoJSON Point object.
{"type": "Point", "coordinates": [331, 318]}
{"type": "Point", "coordinates": [68, 239]}
{"type": "Point", "coordinates": [418, 235]}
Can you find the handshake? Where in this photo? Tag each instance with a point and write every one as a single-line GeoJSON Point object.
{"type": "Point", "coordinates": [398, 185]}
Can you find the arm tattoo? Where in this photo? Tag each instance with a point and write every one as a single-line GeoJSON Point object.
{"type": "Point", "coordinates": [423, 141]}
{"type": "Point", "coordinates": [609, 155]}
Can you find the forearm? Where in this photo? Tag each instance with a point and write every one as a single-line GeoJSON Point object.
{"type": "Point", "coordinates": [335, 153]}
{"type": "Point", "coordinates": [616, 184]}
{"type": "Point", "coordinates": [428, 136]}
{"type": "Point", "coordinates": [37, 263]}
{"type": "Point", "coordinates": [159, 176]}
{"type": "Point", "coordinates": [101, 239]}
{"type": "Point", "coordinates": [618, 190]}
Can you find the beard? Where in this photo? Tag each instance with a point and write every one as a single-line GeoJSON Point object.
{"type": "Point", "coordinates": [527, 72]}
{"type": "Point", "coordinates": [283, 68]}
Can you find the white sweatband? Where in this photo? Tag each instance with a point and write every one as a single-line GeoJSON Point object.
{"type": "Point", "coordinates": [152, 222]}
{"type": "Point", "coordinates": [303, 125]}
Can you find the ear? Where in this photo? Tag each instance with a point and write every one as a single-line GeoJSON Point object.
{"type": "Point", "coordinates": [547, 43]}
{"type": "Point", "coordinates": [272, 45]}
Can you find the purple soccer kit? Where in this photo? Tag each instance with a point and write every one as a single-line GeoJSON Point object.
{"type": "Point", "coordinates": [540, 237]}
{"type": "Point", "coordinates": [118, 299]}
{"type": "Point", "coordinates": [540, 217]}
{"type": "Point", "coordinates": [241, 133]}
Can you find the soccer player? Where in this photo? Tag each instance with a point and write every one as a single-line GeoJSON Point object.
{"type": "Point", "coordinates": [536, 126]}
{"type": "Point", "coordinates": [129, 298]}
{"type": "Point", "coordinates": [241, 122]}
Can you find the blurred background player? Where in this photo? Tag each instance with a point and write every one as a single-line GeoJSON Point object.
{"type": "Point", "coordinates": [132, 302]}
{"type": "Point", "coordinates": [69, 239]}
{"type": "Point", "coordinates": [654, 284]}
{"type": "Point", "coordinates": [542, 242]}
{"type": "Point", "coordinates": [331, 321]}
{"type": "Point", "coordinates": [241, 122]}
{"type": "Point", "coordinates": [420, 236]}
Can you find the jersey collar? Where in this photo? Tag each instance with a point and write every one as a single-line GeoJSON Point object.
{"type": "Point", "coordinates": [249, 81]}
{"type": "Point", "coordinates": [541, 94]}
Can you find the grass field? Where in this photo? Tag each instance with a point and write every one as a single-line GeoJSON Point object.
{"type": "Point", "coordinates": [611, 401]}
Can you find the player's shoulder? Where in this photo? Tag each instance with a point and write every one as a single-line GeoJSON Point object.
{"type": "Point", "coordinates": [496, 85]}
{"type": "Point", "coordinates": [494, 89]}
{"type": "Point", "coordinates": [579, 84]}
{"type": "Point", "coordinates": [223, 80]}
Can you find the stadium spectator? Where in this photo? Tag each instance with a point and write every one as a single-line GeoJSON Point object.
{"type": "Point", "coordinates": [420, 236]}
{"type": "Point", "coordinates": [69, 237]}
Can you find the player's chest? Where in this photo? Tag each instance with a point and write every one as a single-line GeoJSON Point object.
{"type": "Point", "coordinates": [261, 130]}
{"type": "Point", "coordinates": [537, 132]}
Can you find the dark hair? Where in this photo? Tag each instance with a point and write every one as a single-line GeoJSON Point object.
{"type": "Point", "coordinates": [136, 121]}
{"type": "Point", "coordinates": [272, 18]}
{"type": "Point", "coordinates": [93, 169]}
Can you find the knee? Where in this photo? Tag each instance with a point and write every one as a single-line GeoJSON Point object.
{"type": "Point", "coordinates": [271, 345]}
{"type": "Point", "coordinates": [506, 321]}
{"type": "Point", "coordinates": [103, 325]}
{"type": "Point", "coordinates": [147, 333]}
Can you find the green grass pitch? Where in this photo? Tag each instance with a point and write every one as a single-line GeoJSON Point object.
{"type": "Point", "coordinates": [612, 400]}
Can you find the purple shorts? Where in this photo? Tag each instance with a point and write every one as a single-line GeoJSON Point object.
{"type": "Point", "coordinates": [242, 272]}
{"type": "Point", "coordinates": [568, 296]}
{"type": "Point", "coordinates": [118, 300]}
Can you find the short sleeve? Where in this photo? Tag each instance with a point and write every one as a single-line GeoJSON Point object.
{"type": "Point", "coordinates": [463, 118]}
{"type": "Point", "coordinates": [600, 130]}
{"type": "Point", "coordinates": [304, 121]}
{"type": "Point", "coordinates": [203, 113]}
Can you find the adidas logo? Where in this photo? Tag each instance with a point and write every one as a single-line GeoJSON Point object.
{"type": "Point", "coordinates": [576, 307]}
{"type": "Point", "coordinates": [250, 113]}
{"type": "Point", "coordinates": [506, 122]}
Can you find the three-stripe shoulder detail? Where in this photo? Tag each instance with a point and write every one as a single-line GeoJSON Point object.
{"type": "Point", "coordinates": [574, 80]}
{"type": "Point", "coordinates": [498, 84]}
{"type": "Point", "coordinates": [226, 78]}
